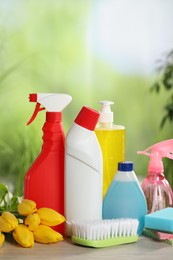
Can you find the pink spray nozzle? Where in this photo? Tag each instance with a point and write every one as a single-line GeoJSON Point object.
{"type": "Point", "coordinates": [157, 152]}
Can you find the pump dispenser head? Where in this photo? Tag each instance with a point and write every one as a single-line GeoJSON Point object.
{"type": "Point", "coordinates": [52, 102]}
{"type": "Point", "coordinates": [106, 115]}
{"type": "Point", "coordinates": [158, 151]}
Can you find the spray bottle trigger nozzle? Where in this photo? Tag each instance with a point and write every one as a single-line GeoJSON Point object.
{"type": "Point", "coordinates": [144, 152]}
{"type": "Point", "coordinates": [169, 155]}
{"type": "Point", "coordinates": [37, 109]}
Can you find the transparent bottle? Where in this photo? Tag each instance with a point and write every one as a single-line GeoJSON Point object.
{"type": "Point", "coordinates": [157, 189]}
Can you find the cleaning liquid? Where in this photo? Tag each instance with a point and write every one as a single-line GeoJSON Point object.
{"type": "Point", "coordinates": [112, 142]}
{"type": "Point", "coordinates": [83, 170]}
{"type": "Point", "coordinates": [157, 189]}
{"type": "Point", "coordinates": [44, 181]}
{"type": "Point", "coordinates": [125, 198]}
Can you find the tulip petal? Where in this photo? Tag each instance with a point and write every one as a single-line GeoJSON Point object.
{"type": "Point", "coordinates": [32, 221]}
{"type": "Point", "coordinates": [2, 239]}
{"type": "Point", "coordinates": [23, 236]}
{"type": "Point", "coordinates": [8, 222]}
{"type": "Point", "coordinates": [50, 217]}
{"type": "Point", "coordinates": [44, 234]}
{"type": "Point", "coordinates": [26, 207]}
{"type": "Point", "coordinates": [4, 226]}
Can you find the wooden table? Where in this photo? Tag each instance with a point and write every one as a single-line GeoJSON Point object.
{"type": "Point", "coordinates": [145, 249]}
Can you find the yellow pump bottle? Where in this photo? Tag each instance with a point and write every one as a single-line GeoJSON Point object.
{"type": "Point", "coordinates": [112, 142]}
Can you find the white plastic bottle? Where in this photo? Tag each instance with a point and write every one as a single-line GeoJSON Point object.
{"type": "Point", "coordinates": [83, 170]}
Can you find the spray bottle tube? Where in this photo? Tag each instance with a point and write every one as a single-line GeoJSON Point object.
{"type": "Point", "coordinates": [44, 181]}
{"type": "Point", "coordinates": [156, 188]}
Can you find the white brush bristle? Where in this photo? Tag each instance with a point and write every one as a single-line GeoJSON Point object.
{"type": "Point", "coordinates": [105, 229]}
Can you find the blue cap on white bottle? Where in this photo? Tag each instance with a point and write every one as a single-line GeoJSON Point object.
{"type": "Point", "coordinates": [125, 166]}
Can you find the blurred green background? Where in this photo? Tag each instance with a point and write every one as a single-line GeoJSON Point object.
{"type": "Point", "coordinates": [93, 50]}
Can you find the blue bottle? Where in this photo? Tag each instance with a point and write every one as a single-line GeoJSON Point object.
{"type": "Point", "coordinates": [125, 198]}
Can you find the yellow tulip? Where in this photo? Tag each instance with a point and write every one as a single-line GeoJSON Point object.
{"type": "Point", "coordinates": [32, 221]}
{"type": "Point", "coordinates": [26, 207]}
{"type": "Point", "coordinates": [2, 239]}
{"type": "Point", "coordinates": [50, 217]}
{"type": "Point", "coordinates": [23, 236]}
{"type": "Point", "coordinates": [8, 222]}
{"type": "Point", "coordinates": [44, 234]}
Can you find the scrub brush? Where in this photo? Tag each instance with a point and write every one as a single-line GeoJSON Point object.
{"type": "Point", "coordinates": [104, 233]}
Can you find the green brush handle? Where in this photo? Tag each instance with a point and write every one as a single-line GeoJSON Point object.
{"type": "Point", "coordinates": [105, 242]}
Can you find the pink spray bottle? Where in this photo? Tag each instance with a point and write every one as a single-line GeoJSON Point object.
{"type": "Point", "coordinates": [156, 188]}
{"type": "Point", "coordinates": [44, 181]}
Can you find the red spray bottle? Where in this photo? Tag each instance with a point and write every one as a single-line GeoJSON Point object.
{"type": "Point", "coordinates": [44, 181]}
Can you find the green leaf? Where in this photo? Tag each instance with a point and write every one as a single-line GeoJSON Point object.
{"type": "Point", "coordinates": [164, 119]}
{"type": "Point", "coordinates": [3, 191]}
{"type": "Point", "coordinates": [13, 203]}
{"type": "Point", "coordinates": [168, 115]}
{"type": "Point", "coordinates": [8, 201]}
{"type": "Point", "coordinates": [155, 87]}
{"type": "Point", "coordinates": [167, 83]}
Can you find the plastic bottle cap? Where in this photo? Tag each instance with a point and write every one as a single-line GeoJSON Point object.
{"type": "Point", "coordinates": [87, 118]}
{"type": "Point", "coordinates": [125, 166]}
